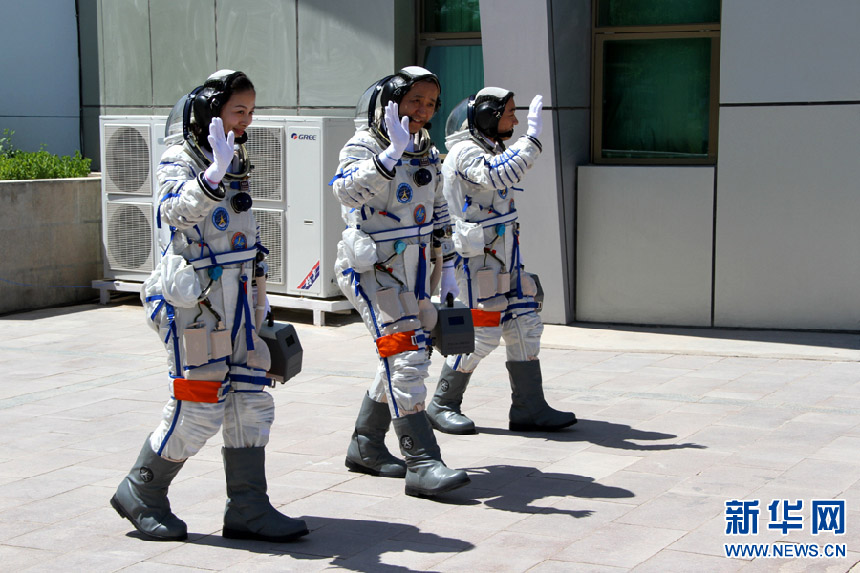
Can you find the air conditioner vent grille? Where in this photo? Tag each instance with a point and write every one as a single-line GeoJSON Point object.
{"type": "Point", "coordinates": [129, 236]}
{"type": "Point", "coordinates": [265, 149]}
{"type": "Point", "coordinates": [271, 224]}
{"type": "Point", "coordinates": [127, 160]}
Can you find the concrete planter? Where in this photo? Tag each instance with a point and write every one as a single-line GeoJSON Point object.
{"type": "Point", "coordinates": [53, 248]}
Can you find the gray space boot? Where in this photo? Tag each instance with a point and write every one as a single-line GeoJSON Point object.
{"type": "Point", "coordinates": [249, 515]}
{"type": "Point", "coordinates": [529, 410]}
{"type": "Point", "coordinates": [426, 474]}
{"type": "Point", "coordinates": [141, 497]}
{"type": "Point", "coordinates": [367, 453]}
{"type": "Point", "coordinates": [444, 409]}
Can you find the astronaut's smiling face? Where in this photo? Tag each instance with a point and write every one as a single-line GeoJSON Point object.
{"type": "Point", "coordinates": [508, 119]}
{"type": "Point", "coordinates": [238, 112]}
{"type": "Point", "coordinates": [419, 104]}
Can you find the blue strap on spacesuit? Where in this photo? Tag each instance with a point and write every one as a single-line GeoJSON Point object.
{"type": "Point", "coordinates": [387, 214]}
{"type": "Point", "coordinates": [466, 203]}
{"type": "Point", "coordinates": [353, 278]}
{"type": "Point", "coordinates": [171, 331]}
{"type": "Point", "coordinates": [515, 259]}
{"type": "Point", "coordinates": [342, 175]}
{"type": "Point", "coordinates": [421, 279]}
{"type": "Point", "coordinates": [511, 312]}
{"type": "Point", "coordinates": [402, 233]}
{"type": "Point", "coordinates": [243, 311]}
{"type": "Point", "coordinates": [468, 281]}
{"type": "Point", "coordinates": [161, 304]}
{"type": "Point", "coordinates": [214, 259]}
{"type": "Point", "coordinates": [158, 209]}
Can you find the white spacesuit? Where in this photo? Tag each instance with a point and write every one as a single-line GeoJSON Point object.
{"type": "Point", "coordinates": [389, 186]}
{"type": "Point", "coordinates": [480, 183]}
{"type": "Point", "coordinates": [201, 300]}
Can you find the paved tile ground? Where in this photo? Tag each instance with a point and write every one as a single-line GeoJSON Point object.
{"type": "Point", "coordinates": [673, 423]}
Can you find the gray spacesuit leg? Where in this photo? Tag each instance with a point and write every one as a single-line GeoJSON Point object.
{"type": "Point", "coordinates": [426, 475]}
{"type": "Point", "coordinates": [367, 452]}
{"type": "Point", "coordinates": [142, 497]}
{"type": "Point", "coordinates": [249, 515]}
{"type": "Point", "coordinates": [444, 411]}
{"type": "Point", "coordinates": [529, 410]}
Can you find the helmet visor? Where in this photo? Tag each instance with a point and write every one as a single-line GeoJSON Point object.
{"type": "Point", "coordinates": [367, 105]}
{"type": "Point", "coordinates": [173, 132]}
{"type": "Point", "coordinates": [458, 118]}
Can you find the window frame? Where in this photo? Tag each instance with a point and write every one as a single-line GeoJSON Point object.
{"type": "Point", "coordinates": [600, 35]}
{"type": "Point", "coordinates": [425, 40]}
{"type": "Point", "coordinates": [430, 39]}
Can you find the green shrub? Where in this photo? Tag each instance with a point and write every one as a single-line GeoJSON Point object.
{"type": "Point", "coordinates": [6, 147]}
{"type": "Point", "coordinates": [17, 164]}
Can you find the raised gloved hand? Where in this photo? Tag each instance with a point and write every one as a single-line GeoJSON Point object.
{"type": "Point", "coordinates": [398, 135]}
{"type": "Point", "coordinates": [222, 150]}
{"type": "Point", "coordinates": [449, 282]}
{"type": "Point", "coordinates": [534, 117]}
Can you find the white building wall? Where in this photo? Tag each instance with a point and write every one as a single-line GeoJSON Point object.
{"type": "Point", "coordinates": [517, 57]}
{"type": "Point", "coordinates": [787, 200]}
{"type": "Point", "coordinates": [39, 84]}
{"type": "Point", "coordinates": [644, 246]}
{"type": "Point", "coordinates": [789, 51]}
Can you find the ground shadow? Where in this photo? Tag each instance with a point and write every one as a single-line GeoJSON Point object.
{"type": "Point", "coordinates": [352, 544]}
{"type": "Point", "coordinates": [517, 488]}
{"type": "Point", "coordinates": [604, 434]}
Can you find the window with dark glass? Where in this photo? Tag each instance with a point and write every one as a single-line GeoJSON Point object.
{"type": "Point", "coordinates": [656, 81]}
{"type": "Point", "coordinates": [450, 46]}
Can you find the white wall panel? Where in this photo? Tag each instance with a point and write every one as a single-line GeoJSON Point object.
{"type": "Point", "coordinates": [789, 51]}
{"type": "Point", "coordinates": [644, 245]}
{"type": "Point", "coordinates": [344, 47]}
{"type": "Point", "coordinates": [516, 48]}
{"type": "Point", "coordinates": [788, 206]}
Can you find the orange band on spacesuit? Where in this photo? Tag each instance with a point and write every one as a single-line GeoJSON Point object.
{"type": "Point", "coordinates": [392, 344]}
{"type": "Point", "coordinates": [197, 390]}
{"type": "Point", "coordinates": [486, 317]}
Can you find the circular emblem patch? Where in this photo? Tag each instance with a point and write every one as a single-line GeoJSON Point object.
{"type": "Point", "coordinates": [444, 385]}
{"type": "Point", "coordinates": [420, 214]}
{"type": "Point", "coordinates": [404, 193]}
{"type": "Point", "coordinates": [406, 443]}
{"type": "Point", "coordinates": [503, 193]}
{"type": "Point", "coordinates": [239, 242]}
{"type": "Point", "coordinates": [220, 218]}
{"type": "Point", "coordinates": [146, 474]}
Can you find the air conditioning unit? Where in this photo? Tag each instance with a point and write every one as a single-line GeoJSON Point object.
{"type": "Point", "coordinates": [294, 158]}
{"type": "Point", "coordinates": [314, 223]}
{"type": "Point", "coordinates": [129, 148]}
{"type": "Point", "coordinates": [267, 185]}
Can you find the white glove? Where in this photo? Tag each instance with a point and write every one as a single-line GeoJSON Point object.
{"type": "Point", "coordinates": [398, 135]}
{"type": "Point", "coordinates": [534, 118]}
{"type": "Point", "coordinates": [449, 282]}
{"type": "Point", "coordinates": [222, 150]}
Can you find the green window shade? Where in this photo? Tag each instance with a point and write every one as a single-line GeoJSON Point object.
{"type": "Point", "coordinates": [452, 16]}
{"type": "Point", "coordinates": [656, 12]}
{"type": "Point", "coordinates": [461, 72]}
{"type": "Point", "coordinates": [656, 98]}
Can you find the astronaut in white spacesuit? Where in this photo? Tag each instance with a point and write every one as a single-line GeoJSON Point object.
{"type": "Point", "coordinates": [480, 181]}
{"type": "Point", "coordinates": [390, 190]}
{"type": "Point", "coordinates": [201, 300]}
